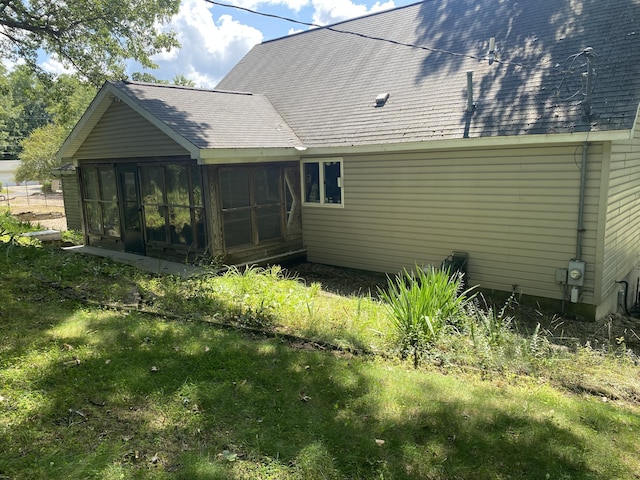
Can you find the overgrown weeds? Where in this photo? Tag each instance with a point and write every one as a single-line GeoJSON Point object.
{"type": "Point", "coordinates": [423, 315]}
{"type": "Point", "coordinates": [423, 304]}
{"type": "Point", "coordinates": [89, 391]}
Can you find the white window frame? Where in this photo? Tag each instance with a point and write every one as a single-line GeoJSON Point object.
{"type": "Point", "coordinates": [321, 162]}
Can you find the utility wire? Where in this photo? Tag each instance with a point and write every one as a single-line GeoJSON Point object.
{"type": "Point", "coordinates": [582, 90]}
{"type": "Point", "coordinates": [361, 35]}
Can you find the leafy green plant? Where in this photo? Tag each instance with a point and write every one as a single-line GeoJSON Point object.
{"type": "Point", "coordinates": [72, 236]}
{"type": "Point", "coordinates": [421, 304]}
{"type": "Point", "coordinates": [486, 320]}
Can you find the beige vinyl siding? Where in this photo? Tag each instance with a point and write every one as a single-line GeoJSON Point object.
{"type": "Point", "coordinates": [514, 210]}
{"type": "Point", "coordinates": [123, 133]}
{"type": "Point", "coordinates": [72, 206]}
{"type": "Point", "coordinates": [622, 233]}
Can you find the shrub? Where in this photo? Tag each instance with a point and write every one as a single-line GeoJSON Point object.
{"type": "Point", "coordinates": [422, 304]}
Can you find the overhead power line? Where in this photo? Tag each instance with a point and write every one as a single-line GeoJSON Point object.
{"type": "Point", "coordinates": [361, 35]}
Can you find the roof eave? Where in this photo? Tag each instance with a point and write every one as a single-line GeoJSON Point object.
{"type": "Point", "coordinates": [217, 156]}
{"type": "Point", "coordinates": [476, 142]}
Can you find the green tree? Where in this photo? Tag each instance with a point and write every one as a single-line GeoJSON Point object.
{"type": "Point", "coordinates": [29, 101]}
{"type": "Point", "coordinates": [183, 81]}
{"type": "Point", "coordinates": [95, 37]}
{"type": "Point", "coordinates": [23, 102]}
{"type": "Point", "coordinates": [67, 99]}
{"type": "Point", "coordinates": [6, 113]}
{"type": "Point", "coordinates": [38, 156]}
{"type": "Point", "coordinates": [148, 78]}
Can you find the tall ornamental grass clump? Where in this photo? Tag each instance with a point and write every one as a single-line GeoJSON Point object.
{"type": "Point", "coordinates": [422, 304]}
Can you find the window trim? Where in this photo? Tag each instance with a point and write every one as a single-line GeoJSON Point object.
{"type": "Point", "coordinates": [321, 162]}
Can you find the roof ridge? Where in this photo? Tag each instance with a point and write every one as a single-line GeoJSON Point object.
{"type": "Point", "coordinates": [178, 87]}
{"type": "Point", "coordinates": [341, 22]}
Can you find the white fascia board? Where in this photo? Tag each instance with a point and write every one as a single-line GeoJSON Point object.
{"type": "Point", "coordinates": [477, 142]}
{"type": "Point", "coordinates": [635, 123]}
{"type": "Point", "coordinates": [217, 156]}
{"type": "Point", "coordinates": [81, 130]}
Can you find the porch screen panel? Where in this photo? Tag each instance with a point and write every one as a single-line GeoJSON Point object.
{"type": "Point", "coordinates": [269, 221]}
{"type": "Point", "coordinates": [94, 223]}
{"type": "Point", "coordinates": [130, 207]}
{"type": "Point", "coordinates": [235, 189]}
{"type": "Point", "coordinates": [268, 187]}
{"type": "Point", "coordinates": [236, 207]}
{"type": "Point", "coordinates": [152, 185]}
{"type": "Point", "coordinates": [155, 223]}
{"type": "Point", "coordinates": [199, 217]}
{"type": "Point", "coordinates": [109, 201]}
{"type": "Point", "coordinates": [177, 185]}
{"type": "Point", "coordinates": [180, 226]}
{"type": "Point", "coordinates": [91, 192]}
{"type": "Point", "coordinates": [91, 188]}
{"type": "Point", "coordinates": [154, 204]}
{"type": "Point", "coordinates": [173, 205]}
{"type": "Point", "coordinates": [200, 220]}
{"type": "Point", "coordinates": [252, 203]}
{"type": "Point", "coordinates": [196, 188]}
{"type": "Point", "coordinates": [100, 200]}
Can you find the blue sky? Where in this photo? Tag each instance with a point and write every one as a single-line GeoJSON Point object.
{"type": "Point", "coordinates": [214, 38]}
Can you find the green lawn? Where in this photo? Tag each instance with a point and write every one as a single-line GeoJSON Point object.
{"type": "Point", "coordinates": [94, 392]}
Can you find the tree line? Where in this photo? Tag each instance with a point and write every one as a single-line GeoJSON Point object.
{"type": "Point", "coordinates": [94, 39]}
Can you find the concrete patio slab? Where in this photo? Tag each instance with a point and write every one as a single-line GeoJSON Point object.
{"type": "Point", "coordinates": [149, 264]}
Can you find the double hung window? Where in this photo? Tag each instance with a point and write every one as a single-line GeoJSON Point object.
{"type": "Point", "coordinates": [322, 182]}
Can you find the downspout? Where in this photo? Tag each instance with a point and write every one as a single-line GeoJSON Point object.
{"type": "Point", "coordinates": [577, 267]}
{"type": "Point", "coordinates": [583, 179]}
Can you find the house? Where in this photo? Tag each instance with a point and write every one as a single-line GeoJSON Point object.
{"type": "Point", "coordinates": [506, 130]}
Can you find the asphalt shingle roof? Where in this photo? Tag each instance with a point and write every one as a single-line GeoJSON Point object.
{"type": "Point", "coordinates": [213, 118]}
{"type": "Point", "coordinates": [324, 83]}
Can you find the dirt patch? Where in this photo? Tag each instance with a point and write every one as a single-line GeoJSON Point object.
{"type": "Point", "coordinates": [36, 203]}
{"type": "Point", "coordinates": [614, 332]}
{"type": "Point", "coordinates": [47, 210]}
{"type": "Point", "coordinates": [341, 281]}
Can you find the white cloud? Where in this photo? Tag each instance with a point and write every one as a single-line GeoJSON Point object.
{"type": "Point", "coordinates": [325, 11]}
{"type": "Point", "coordinates": [208, 48]}
{"type": "Point", "coordinates": [212, 41]}
{"type": "Point", "coordinates": [332, 11]}
{"type": "Point", "coordinates": [295, 5]}
{"type": "Point", "coordinates": [10, 64]}
{"type": "Point", "coordinates": [55, 66]}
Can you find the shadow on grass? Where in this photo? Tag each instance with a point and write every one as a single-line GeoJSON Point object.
{"type": "Point", "coordinates": [152, 396]}
{"type": "Point", "coordinates": [98, 394]}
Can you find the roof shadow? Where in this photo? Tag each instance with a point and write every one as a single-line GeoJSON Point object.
{"type": "Point", "coordinates": [538, 78]}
